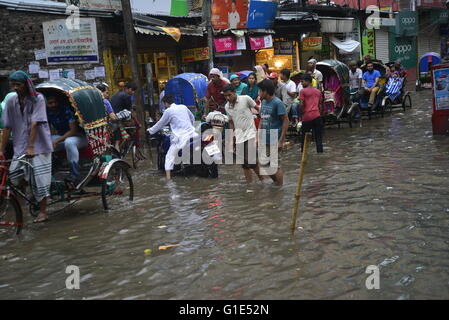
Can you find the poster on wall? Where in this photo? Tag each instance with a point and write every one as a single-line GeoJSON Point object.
{"type": "Point", "coordinates": [177, 8]}
{"type": "Point", "coordinates": [225, 44]}
{"type": "Point", "coordinates": [64, 46]}
{"type": "Point", "coordinates": [261, 42]}
{"type": "Point", "coordinates": [441, 88]}
{"type": "Point", "coordinates": [229, 14]}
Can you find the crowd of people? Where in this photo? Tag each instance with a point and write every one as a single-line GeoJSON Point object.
{"type": "Point", "coordinates": [259, 111]}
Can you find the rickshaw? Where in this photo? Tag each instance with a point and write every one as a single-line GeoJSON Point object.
{"type": "Point", "coordinates": [426, 61]}
{"type": "Point", "coordinates": [336, 92]}
{"type": "Point", "coordinates": [101, 174]}
{"type": "Point", "coordinates": [378, 107]}
{"type": "Point", "coordinates": [403, 99]}
{"type": "Point", "coordinates": [189, 89]}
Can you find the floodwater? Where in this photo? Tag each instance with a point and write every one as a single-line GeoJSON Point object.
{"type": "Point", "coordinates": [377, 196]}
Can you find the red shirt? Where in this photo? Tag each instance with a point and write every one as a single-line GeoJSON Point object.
{"type": "Point", "coordinates": [215, 91]}
{"type": "Point", "coordinates": [311, 98]}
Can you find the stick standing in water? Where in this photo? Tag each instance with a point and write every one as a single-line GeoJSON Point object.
{"type": "Point", "coordinates": [300, 179]}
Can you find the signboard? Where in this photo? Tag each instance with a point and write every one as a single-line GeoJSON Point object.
{"type": "Point", "coordinates": [441, 88]}
{"type": "Point", "coordinates": [64, 46]}
{"type": "Point", "coordinates": [161, 7]}
{"type": "Point", "coordinates": [225, 44]}
{"type": "Point", "coordinates": [312, 43]}
{"type": "Point", "coordinates": [197, 54]}
{"type": "Point", "coordinates": [261, 42]}
{"type": "Point", "coordinates": [368, 45]}
{"type": "Point", "coordinates": [227, 54]}
{"type": "Point", "coordinates": [438, 16]}
{"type": "Point", "coordinates": [96, 4]}
{"type": "Point", "coordinates": [403, 49]}
{"type": "Point", "coordinates": [261, 14]}
{"type": "Point", "coordinates": [283, 47]}
{"type": "Point", "coordinates": [406, 23]}
{"type": "Point", "coordinates": [229, 14]}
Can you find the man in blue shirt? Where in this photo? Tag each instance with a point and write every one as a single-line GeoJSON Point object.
{"type": "Point", "coordinates": [371, 83]}
{"type": "Point", "coordinates": [274, 128]}
{"type": "Point", "coordinates": [69, 135]}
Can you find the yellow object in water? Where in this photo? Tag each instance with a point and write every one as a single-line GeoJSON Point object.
{"type": "Point", "coordinates": [169, 246]}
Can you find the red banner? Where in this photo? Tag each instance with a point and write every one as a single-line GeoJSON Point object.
{"type": "Point", "coordinates": [260, 42]}
{"type": "Point", "coordinates": [225, 44]}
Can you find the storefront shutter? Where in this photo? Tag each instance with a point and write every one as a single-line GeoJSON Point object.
{"type": "Point", "coordinates": [382, 45]}
{"type": "Point", "coordinates": [429, 43]}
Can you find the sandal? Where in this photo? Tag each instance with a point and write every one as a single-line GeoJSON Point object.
{"type": "Point", "coordinates": [41, 219]}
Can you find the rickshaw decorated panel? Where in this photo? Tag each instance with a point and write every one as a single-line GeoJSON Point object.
{"type": "Point", "coordinates": [87, 102]}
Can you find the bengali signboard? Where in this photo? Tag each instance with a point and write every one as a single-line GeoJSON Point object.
{"type": "Point", "coordinates": [63, 45]}
{"type": "Point", "coordinates": [368, 45]}
{"type": "Point", "coordinates": [225, 44]}
{"type": "Point", "coordinates": [261, 42]}
{"type": "Point", "coordinates": [283, 47]}
{"type": "Point", "coordinates": [312, 43]}
{"type": "Point", "coordinates": [196, 54]}
{"type": "Point", "coordinates": [229, 14]}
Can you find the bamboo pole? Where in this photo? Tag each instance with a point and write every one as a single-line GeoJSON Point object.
{"type": "Point", "coordinates": [300, 179]}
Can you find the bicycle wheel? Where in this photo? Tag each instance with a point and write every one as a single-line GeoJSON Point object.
{"type": "Point", "coordinates": [11, 216]}
{"type": "Point", "coordinates": [117, 188]}
{"type": "Point", "coordinates": [407, 102]}
{"type": "Point", "coordinates": [137, 155]}
{"type": "Point", "coordinates": [389, 106]}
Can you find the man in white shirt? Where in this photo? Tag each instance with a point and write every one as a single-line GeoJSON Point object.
{"type": "Point", "coordinates": [316, 73]}
{"type": "Point", "coordinates": [180, 119]}
{"type": "Point", "coordinates": [241, 121]}
{"type": "Point", "coordinates": [233, 17]}
{"type": "Point", "coordinates": [289, 90]}
{"type": "Point", "coordinates": [355, 79]}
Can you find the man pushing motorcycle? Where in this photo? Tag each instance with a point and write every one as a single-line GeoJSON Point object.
{"type": "Point", "coordinates": [180, 119]}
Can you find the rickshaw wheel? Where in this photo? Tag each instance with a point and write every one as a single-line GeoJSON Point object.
{"type": "Point", "coordinates": [137, 155]}
{"type": "Point", "coordinates": [389, 106]}
{"type": "Point", "coordinates": [117, 188]}
{"type": "Point", "coordinates": [407, 102]}
{"type": "Point", "coordinates": [11, 215]}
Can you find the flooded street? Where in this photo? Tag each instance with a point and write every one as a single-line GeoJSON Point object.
{"type": "Point", "coordinates": [377, 196]}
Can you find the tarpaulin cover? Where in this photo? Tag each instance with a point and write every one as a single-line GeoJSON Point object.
{"type": "Point", "coordinates": [347, 45]}
{"type": "Point", "coordinates": [424, 60]}
{"type": "Point", "coordinates": [186, 87]}
{"type": "Point", "coordinates": [86, 100]}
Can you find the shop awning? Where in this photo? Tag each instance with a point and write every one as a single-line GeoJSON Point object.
{"type": "Point", "coordinates": [175, 33]}
{"type": "Point", "coordinates": [347, 45]}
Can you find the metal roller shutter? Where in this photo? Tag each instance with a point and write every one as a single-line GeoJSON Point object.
{"type": "Point", "coordinates": [382, 45]}
{"type": "Point", "coordinates": [430, 42]}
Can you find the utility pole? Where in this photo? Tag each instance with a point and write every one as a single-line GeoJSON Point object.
{"type": "Point", "coordinates": [131, 45]}
{"type": "Point", "coordinates": [207, 22]}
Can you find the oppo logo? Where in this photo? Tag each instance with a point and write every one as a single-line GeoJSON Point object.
{"type": "Point", "coordinates": [403, 48]}
{"type": "Point", "coordinates": [408, 20]}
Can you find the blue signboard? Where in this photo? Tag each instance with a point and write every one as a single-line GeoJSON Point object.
{"type": "Point", "coordinates": [261, 14]}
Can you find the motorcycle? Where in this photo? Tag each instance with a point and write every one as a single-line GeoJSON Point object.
{"type": "Point", "coordinates": [204, 153]}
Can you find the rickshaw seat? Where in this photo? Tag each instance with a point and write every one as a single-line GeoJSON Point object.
{"type": "Point", "coordinates": [85, 153]}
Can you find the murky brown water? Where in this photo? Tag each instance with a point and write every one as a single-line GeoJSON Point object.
{"type": "Point", "coordinates": [378, 196]}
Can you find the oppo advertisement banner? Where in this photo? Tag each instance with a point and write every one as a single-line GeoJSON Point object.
{"type": "Point", "coordinates": [406, 23]}
{"type": "Point", "coordinates": [404, 49]}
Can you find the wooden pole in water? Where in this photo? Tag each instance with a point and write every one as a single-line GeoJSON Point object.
{"type": "Point", "coordinates": [307, 139]}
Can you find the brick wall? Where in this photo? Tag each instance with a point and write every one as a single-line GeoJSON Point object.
{"type": "Point", "coordinates": [21, 34]}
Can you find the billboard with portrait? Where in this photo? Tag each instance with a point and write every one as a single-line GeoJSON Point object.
{"type": "Point", "coordinates": [229, 14]}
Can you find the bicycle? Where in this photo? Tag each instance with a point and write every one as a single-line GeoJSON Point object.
{"type": "Point", "coordinates": [9, 198]}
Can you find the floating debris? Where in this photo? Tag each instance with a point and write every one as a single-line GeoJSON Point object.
{"type": "Point", "coordinates": [169, 246]}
